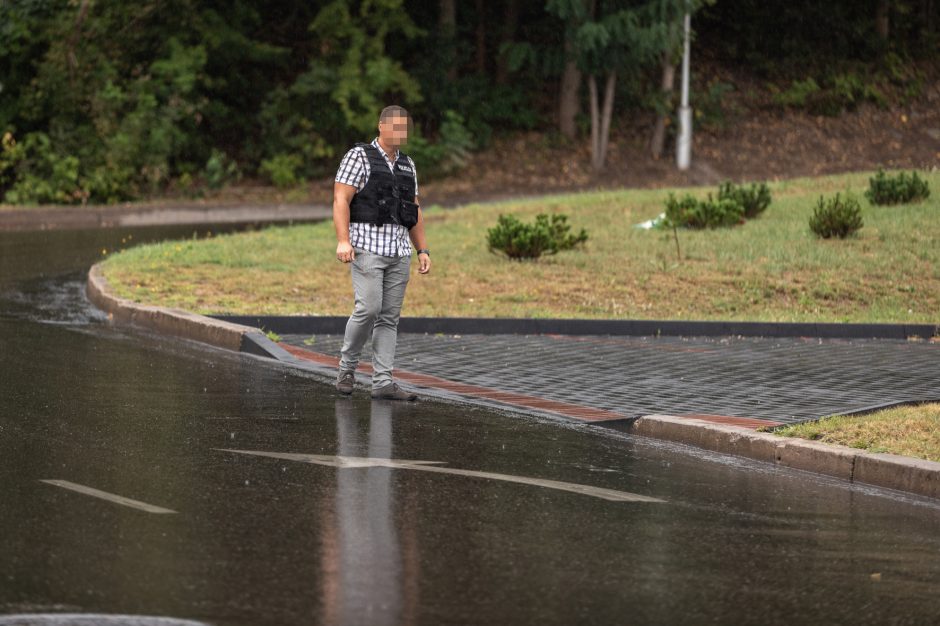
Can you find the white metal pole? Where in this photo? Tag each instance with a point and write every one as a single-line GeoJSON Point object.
{"type": "Point", "coordinates": [684, 141]}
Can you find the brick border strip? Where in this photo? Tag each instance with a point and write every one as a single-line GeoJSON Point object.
{"type": "Point", "coordinates": [858, 466]}
{"type": "Point", "coordinates": [514, 400]}
{"type": "Point", "coordinates": [307, 325]}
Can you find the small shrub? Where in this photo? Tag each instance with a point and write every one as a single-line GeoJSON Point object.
{"type": "Point", "coordinates": [10, 155]}
{"type": "Point", "coordinates": [449, 154]}
{"type": "Point", "coordinates": [33, 172]}
{"type": "Point", "coordinates": [282, 170]}
{"type": "Point", "coordinates": [754, 199]}
{"type": "Point", "coordinates": [799, 94]}
{"type": "Point", "coordinates": [900, 189]}
{"type": "Point", "coordinates": [710, 109]}
{"type": "Point", "coordinates": [220, 169]}
{"type": "Point", "coordinates": [680, 211]}
{"type": "Point", "coordinates": [836, 217]}
{"type": "Point", "coordinates": [530, 241]}
{"type": "Point", "coordinates": [839, 92]}
{"type": "Point", "coordinates": [689, 212]}
{"type": "Point", "coordinates": [851, 89]}
{"type": "Point", "coordinates": [112, 183]}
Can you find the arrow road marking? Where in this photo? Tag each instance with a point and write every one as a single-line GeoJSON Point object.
{"type": "Point", "coordinates": [104, 495]}
{"type": "Point", "coordinates": [346, 462]}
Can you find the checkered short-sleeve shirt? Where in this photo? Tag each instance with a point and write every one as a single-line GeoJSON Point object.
{"type": "Point", "coordinates": [388, 239]}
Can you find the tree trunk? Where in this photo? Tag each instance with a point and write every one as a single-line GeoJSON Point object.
{"type": "Point", "coordinates": [510, 20]}
{"type": "Point", "coordinates": [481, 37]}
{"type": "Point", "coordinates": [606, 115]}
{"type": "Point", "coordinates": [73, 40]}
{"type": "Point", "coordinates": [448, 16]}
{"type": "Point", "coordinates": [882, 19]}
{"type": "Point", "coordinates": [448, 26]}
{"type": "Point", "coordinates": [569, 92]}
{"type": "Point", "coordinates": [597, 162]}
{"type": "Point", "coordinates": [667, 82]}
{"type": "Point", "coordinates": [926, 19]}
{"type": "Point", "coordinates": [600, 119]}
{"type": "Point", "coordinates": [595, 125]}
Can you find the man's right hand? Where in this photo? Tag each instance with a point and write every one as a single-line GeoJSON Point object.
{"type": "Point", "coordinates": [345, 252]}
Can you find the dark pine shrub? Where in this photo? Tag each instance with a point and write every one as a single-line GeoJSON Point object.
{"type": "Point", "coordinates": [689, 212]}
{"type": "Point", "coordinates": [754, 199]}
{"type": "Point", "coordinates": [836, 217]}
{"type": "Point", "coordinates": [518, 241]}
{"type": "Point", "coordinates": [900, 189]}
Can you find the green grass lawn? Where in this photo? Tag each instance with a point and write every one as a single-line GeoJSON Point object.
{"type": "Point", "coordinates": [908, 430]}
{"type": "Point", "coordinates": [769, 269]}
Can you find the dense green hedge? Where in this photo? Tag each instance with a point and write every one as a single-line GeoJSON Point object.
{"type": "Point", "coordinates": [107, 101]}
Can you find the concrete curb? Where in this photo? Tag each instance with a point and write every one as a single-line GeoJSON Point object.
{"type": "Point", "coordinates": [176, 322]}
{"type": "Point", "coordinates": [70, 218]}
{"type": "Point", "coordinates": [881, 470]}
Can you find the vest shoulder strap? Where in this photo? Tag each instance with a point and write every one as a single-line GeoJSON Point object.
{"type": "Point", "coordinates": [374, 156]}
{"type": "Point", "coordinates": [372, 151]}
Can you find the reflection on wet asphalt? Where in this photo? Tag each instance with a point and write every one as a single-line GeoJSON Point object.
{"type": "Point", "coordinates": [261, 540]}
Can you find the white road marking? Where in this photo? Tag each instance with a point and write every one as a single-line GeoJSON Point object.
{"type": "Point", "coordinates": [345, 462]}
{"type": "Point", "coordinates": [104, 495]}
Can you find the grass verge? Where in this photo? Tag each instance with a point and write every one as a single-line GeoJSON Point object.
{"type": "Point", "coordinates": [769, 269]}
{"type": "Point", "coordinates": [912, 431]}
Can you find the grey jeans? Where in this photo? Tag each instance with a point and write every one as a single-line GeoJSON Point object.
{"type": "Point", "coordinates": [379, 285]}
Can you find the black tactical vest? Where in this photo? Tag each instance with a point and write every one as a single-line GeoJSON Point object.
{"type": "Point", "coordinates": [387, 198]}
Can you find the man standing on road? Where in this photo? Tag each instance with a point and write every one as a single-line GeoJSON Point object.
{"type": "Point", "coordinates": [375, 211]}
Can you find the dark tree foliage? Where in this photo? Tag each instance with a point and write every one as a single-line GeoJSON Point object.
{"type": "Point", "coordinates": [103, 100]}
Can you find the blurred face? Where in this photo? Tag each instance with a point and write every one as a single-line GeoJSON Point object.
{"type": "Point", "coordinates": [394, 131]}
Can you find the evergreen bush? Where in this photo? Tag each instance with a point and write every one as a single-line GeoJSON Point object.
{"type": "Point", "coordinates": [690, 212]}
{"type": "Point", "coordinates": [836, 217]}
{"type": "Point", "coordinates": [530, 241]}
{"type": "Point", "coordinates": [754, 200]}
{"type": "Point", "coordinates": [900, 189]}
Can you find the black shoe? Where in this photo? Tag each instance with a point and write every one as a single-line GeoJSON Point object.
{"type": "Point", "coordinates": [344, 382]}
{"type": "Point", "coordinates": [392, 391]}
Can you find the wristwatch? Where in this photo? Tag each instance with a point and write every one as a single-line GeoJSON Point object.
{"type": "Point", "coordinates": [424, 251]}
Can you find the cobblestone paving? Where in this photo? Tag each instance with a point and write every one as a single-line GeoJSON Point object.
{"type": "Point", "coordinates": [784, 380]}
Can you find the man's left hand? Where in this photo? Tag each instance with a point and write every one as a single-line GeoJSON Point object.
{"type": "Point", "coordinates": [424, 263]}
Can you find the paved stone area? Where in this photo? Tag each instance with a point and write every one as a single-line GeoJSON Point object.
{"type": "Point", "coordinates": [777, 380]}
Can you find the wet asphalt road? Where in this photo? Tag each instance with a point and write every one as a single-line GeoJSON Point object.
{"type": "Point", "coordinates": [254, 540]}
